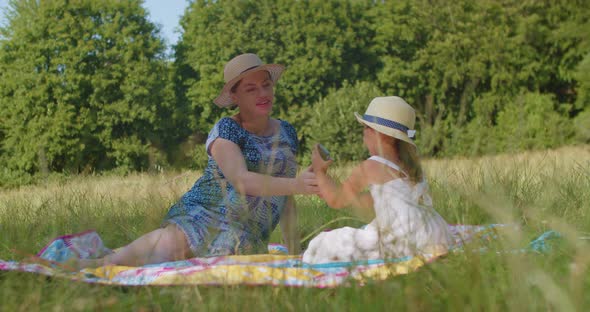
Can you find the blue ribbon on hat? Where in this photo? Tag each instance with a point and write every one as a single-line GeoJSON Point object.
{"type": "Point", "coordinates": [390, 124]}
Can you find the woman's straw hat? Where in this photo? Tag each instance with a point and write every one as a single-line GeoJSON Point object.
{"type": "Point", "coordinates": [240, 66]}
{"type": "Point", "coordinates": [390, 115]}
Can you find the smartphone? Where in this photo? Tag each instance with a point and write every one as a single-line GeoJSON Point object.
{"type": "Point", "coordinates": [324, 152]}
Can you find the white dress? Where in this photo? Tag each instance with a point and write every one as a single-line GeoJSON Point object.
{"type": "Point", "coordinates": [405, 224]}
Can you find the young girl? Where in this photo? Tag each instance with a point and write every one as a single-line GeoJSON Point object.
{"type": "Point", "coordinates": [405, 223]}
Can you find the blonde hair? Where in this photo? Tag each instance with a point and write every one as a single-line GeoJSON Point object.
{"type": "Point", "coordinates": [410, 161]}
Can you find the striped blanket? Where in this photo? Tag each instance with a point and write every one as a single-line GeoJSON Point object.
{"type": "Point", "coordinates": [275, 268]}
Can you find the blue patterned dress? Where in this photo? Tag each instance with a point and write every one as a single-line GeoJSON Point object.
{"type": "Point", "coordinates": [216, 219]}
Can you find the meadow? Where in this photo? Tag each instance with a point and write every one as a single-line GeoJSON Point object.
{"type": "Point", "coordinates": [540, 191]}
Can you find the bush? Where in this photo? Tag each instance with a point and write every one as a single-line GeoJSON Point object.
{"type": "Point", "coordinates": [532, 121]}
{"type": "Point", "coordinates": [474, 138]}
{"type": "Point", "coordinates": [582, 126]}
{"type": "Point", "coordinates": [333, 124]}
{"type": "Point", "coordinates": [13, 178]}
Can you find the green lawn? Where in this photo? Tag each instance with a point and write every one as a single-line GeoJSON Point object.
{"type": "Point", "coordinates": [538, 190]}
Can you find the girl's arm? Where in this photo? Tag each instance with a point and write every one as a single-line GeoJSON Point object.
{"type": "Point", "coordinates": [349, 193]}
{"type": "Point", "coordinates": [230, 160]}
{"type": "Point", "coordinates": [289, 227]}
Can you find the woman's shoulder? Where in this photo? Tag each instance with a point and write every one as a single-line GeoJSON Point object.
{"type": "Point", "coordinates": [227, 121]}
{"type": "Point", "coordinates": [226, 128]}
{"type": "Point", "coordinates": [288, 129]}
{"type": "Point", "coordinates": [228, 124]}
{"type": "Point", "coordinates": [286, 125]}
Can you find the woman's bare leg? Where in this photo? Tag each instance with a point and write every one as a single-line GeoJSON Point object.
{"type": "Point", "coordinates": [161, 245]}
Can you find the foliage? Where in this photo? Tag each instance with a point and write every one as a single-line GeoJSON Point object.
{"type": "Point", "coordinates": [84, 86]}
{"type": "Point", "coordinates": [460, 62]}
{"type": "Point", "coordinates": [333, 122]}
{"type": "Point", "coordinates": [320, 42]}
{"type": "Point", "coordinates": [530, 121]}
{"type": "Point", "coordinates": [525, 121]}
{"type": "Point", "coordinates": [582, 76]}
{"type": "Point", "coordinates": [582, 128]}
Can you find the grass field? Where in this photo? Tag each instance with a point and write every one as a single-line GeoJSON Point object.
{"type": "Point", "coordinates": [538, 190]}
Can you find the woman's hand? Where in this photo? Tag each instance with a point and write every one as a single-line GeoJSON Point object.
{"type": "Point", "coordinates": [317, 163]}
{"type": "Point", "coordinates": [307, 183]}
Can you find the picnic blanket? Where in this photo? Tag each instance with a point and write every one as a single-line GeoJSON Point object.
{"type": "Point", "coordinates": [275, 268]}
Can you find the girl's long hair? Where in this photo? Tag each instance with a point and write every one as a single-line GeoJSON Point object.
{"type": "Point", "coordinates": [410, 161]}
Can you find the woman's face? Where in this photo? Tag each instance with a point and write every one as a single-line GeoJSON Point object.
{"type": "Point", "coordinates": [254, 93]}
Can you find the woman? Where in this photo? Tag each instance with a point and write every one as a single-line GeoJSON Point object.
{"type": "Point", "coordinates": [245, 189]}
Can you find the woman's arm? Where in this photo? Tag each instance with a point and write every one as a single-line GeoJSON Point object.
{"type": "Point", "coordinates": [289, 227]}
{"type": "Point", "coordinates": [230, 160]}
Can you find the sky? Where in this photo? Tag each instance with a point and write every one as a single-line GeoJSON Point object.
{"type": "Point", "coordinates": [166, 13]}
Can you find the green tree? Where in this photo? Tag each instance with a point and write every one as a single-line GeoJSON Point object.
{"type": "Point", "coordinates": [322, 43]}
{"type": "Point", "coordinates": [449, 57]}
{"type": "Point", "coordinates": [440, 56]}
{"type": "Point", "coordinates": [84, 86]}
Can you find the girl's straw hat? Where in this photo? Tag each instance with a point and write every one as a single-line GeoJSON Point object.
{"type": "Point", "coordinates": [240, 66]}
{"type": "Point", "coordinates": [392, 116]}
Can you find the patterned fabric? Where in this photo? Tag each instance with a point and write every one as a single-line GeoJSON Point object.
{"type": "Point", "coordinates": [81, 245]}
{"type": "Point", "coordinates": [216, 219]}
{"type": "Point", "coordinates": [267, 269]}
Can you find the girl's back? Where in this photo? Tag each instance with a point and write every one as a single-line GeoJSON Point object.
{"type": "Point", "coordinates": [404, 217]}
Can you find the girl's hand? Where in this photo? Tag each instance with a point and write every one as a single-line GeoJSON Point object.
{"type": "Point", "coordinates": [317, 163]}
{"type": "Point", "coordinates": [307, 183]}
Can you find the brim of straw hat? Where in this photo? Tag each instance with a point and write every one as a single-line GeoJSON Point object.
{"type": "Point", "coordinates": [224, 98]}
{"type": "Point", "coordinates": [398, 134]}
